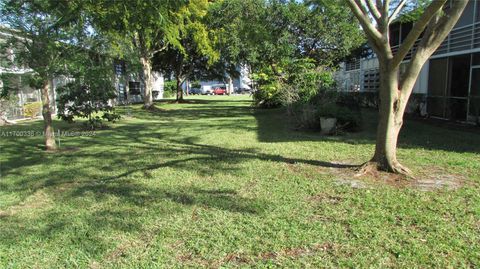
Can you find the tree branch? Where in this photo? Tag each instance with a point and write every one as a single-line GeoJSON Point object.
{"type": "Point", "coordinates": [417, 30]}
{"type": "Point", "coordinates": [373, 10]}
{"type": "Point", "coordinates": [159, 50]}
{"type": "Point", "coordinates": [397, 10]}
{"type": "Point", "coordinates": [368, 27]}
{"type": "Point", "coordinates": [432, 39]}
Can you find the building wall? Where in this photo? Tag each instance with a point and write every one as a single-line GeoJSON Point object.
{"type": "Point", "coordinates": [243, 81]}
{"type": "Point", "coordinates": [463, 40]}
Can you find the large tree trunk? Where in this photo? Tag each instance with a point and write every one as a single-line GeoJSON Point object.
{"type": "Point", "coordinates": [179, 90]}
{"type": "Point", "coordinates": [48, 131]}
{"type": "Point", "coordinates": [431, 28]}
{"type": "Point", "coordinates": [392, 107]}
{"type": "Point", "coordinates": [148, 81]}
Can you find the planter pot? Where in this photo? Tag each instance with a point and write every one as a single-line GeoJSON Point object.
{"type": "Point", "coordinates": [328, 125]}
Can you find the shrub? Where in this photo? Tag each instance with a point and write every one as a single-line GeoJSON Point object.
{"type": "Point", "coordinates": [308, 92]}
{"type": "Point", "coordinates": [87, 99]}
{"type": "Point", "coordinates": [268, 96]}
{"type": "Point", "coordinates": [344, 109]}
{"type": "Point", "coordinates": [170, 88]}
{"type": "Point", "coordinates": [349, 120]}
{"type": "Point", "coordinates": [31, 110]}
{"type": "Point", "coordinates": [268, 93]}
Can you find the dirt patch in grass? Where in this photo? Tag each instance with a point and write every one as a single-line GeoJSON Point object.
{"type": "Point", "coordinates": [325, 198]}
{"type": "Point", "coordinates": [243, 259]}
{"type": "Point", "coordinates": [343, 173]}
{"type": "Point", "coordinates": [431, 181]}
{"type": "Point", "coordinates": [286, 253]}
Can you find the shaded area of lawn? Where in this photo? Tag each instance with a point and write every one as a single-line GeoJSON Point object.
{"type": "Point", "coordinates": [416, 134]}
{"type": "Point", "coordinates": [214, 182]}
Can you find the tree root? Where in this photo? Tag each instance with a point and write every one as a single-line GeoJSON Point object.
{"type": "Point", "coordinates": [181, 101]}
{"type": "Point", "coordinates": [151, 107]}
{"type": "Point", "coordinates": [373, 168]}
{"type": "Point", "coordinates": [402, 170]}
{"type": "Point", "coordinates": [368, 168]}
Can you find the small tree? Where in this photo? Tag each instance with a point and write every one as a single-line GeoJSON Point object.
{"type": "Point", "coordinates": [146, 27]}
{"type": "Point", "coordinates": [42, 28]}
{"type": "Point", "coordinates": [89, 95]}
{"type": "Point", "coordinates": [435, 23]}
{"type": "Point", "coordinates": [196, 51]}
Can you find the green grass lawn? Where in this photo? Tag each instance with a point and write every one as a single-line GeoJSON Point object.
{"type": "Point", "coordinates": [217, 183]}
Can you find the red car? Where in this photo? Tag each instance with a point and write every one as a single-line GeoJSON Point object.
{"type": "Point", "coordinates": [219, 91]}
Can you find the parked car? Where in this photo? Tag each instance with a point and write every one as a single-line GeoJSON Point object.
{"type": "Point", "coordinates": [206, 90]}
{"type": "Point", "coordinates": [243, 91]}
{"type": "Point", "coordinates": [219, 91]}
{"type": "Point", "coordinates": [195, 91]}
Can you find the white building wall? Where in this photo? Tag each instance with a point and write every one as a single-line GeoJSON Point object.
{"type": "Point", "coordinates": [158, 85]}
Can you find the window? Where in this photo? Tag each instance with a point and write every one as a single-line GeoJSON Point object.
{"type": "Point", "coordinates": [437, 77]}
{"type": "Point", "coordinates": [437, 85]}
{"type": "Point", "coordinates": [459, 75]}
{"type": "Point", "coordinates": [476, 58]}
{"type": "Point", "coordinates": [371, 80]}
{"type": "Point", "coordinates": [134, 88]}
{"type": "Point", "coordinates": [475, 90]}
{"type": "Point", "coordinates": [119, 69]}
{"type": "Point", "coordinates": [475, 94]}
{"type": "Point", "coordinates": [353, 64]}
{"type": "Point", "coordinates": [122, 94]}
{"type": "Point", "coordinates": [395, 34]}
{"type": "Point", "coordinates": [406, 28]}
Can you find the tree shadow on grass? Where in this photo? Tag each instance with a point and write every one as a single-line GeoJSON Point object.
{"type": "Point", "coordinates": [142, 196]}
{"type": "Point", "coordinates": [274, 127]}
{"type": "Point", "coordinates": [91, 210]}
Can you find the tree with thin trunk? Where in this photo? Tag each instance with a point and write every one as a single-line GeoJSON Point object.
{"type": "Point", "coordinates": [146, 27]}
{"type": "Point", "coordinates": [42, 28]}
{"type": "Point", "coordinates": [196, 51]}
{"type": "Point", "coordinates": [429, 30]}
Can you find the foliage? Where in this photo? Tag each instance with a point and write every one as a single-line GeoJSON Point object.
{"type": "Point", "coordinates": [294, 81]}
{"type": "Point", "coordinates": [291, 47]}
{"type": "Point", "coordinates": [268, 32]}
{"type": "Point", "coordinates": [196, 52]}
{"type": "Point", "coordinates": [170, 88]}
{"type": "Point", "coordinates": [10, 86]}
{"type": "Point", "coordinates": [31, 110]}
{"type": "Point", "coordinates": [136, 26]}
{"type": "Point", "coordinates": [348, 119]}
{"type": "Point", "coordinates": [412, 10]}
{"type": "Point", "coordinates": [8, 100]}
{"type": "Point", "coordinates": [196, 84]}
{"type": "Point", "coordinates": [88, 92]}
{"type": "Point", "coordinates": [329, 104]}
{"type": "Point", "coordinates": [12, 83]}
{"type": "Point", "coordinates": [268, 93]}
{"type": "Point", "coordinates": [43, 29]}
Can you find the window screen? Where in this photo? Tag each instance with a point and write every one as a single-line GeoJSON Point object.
{"type": "Point", "coordinates": [475, 93]}
{"type": "Point", "coordinates": [134, 88]}
{"type": "Point", "coordinates": [437, 77]}
{"type": "Point", "coordinates": [460, 75]}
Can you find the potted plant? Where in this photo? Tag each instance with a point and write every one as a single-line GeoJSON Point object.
{"type": "Point", "coordinates": [328, 118]}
